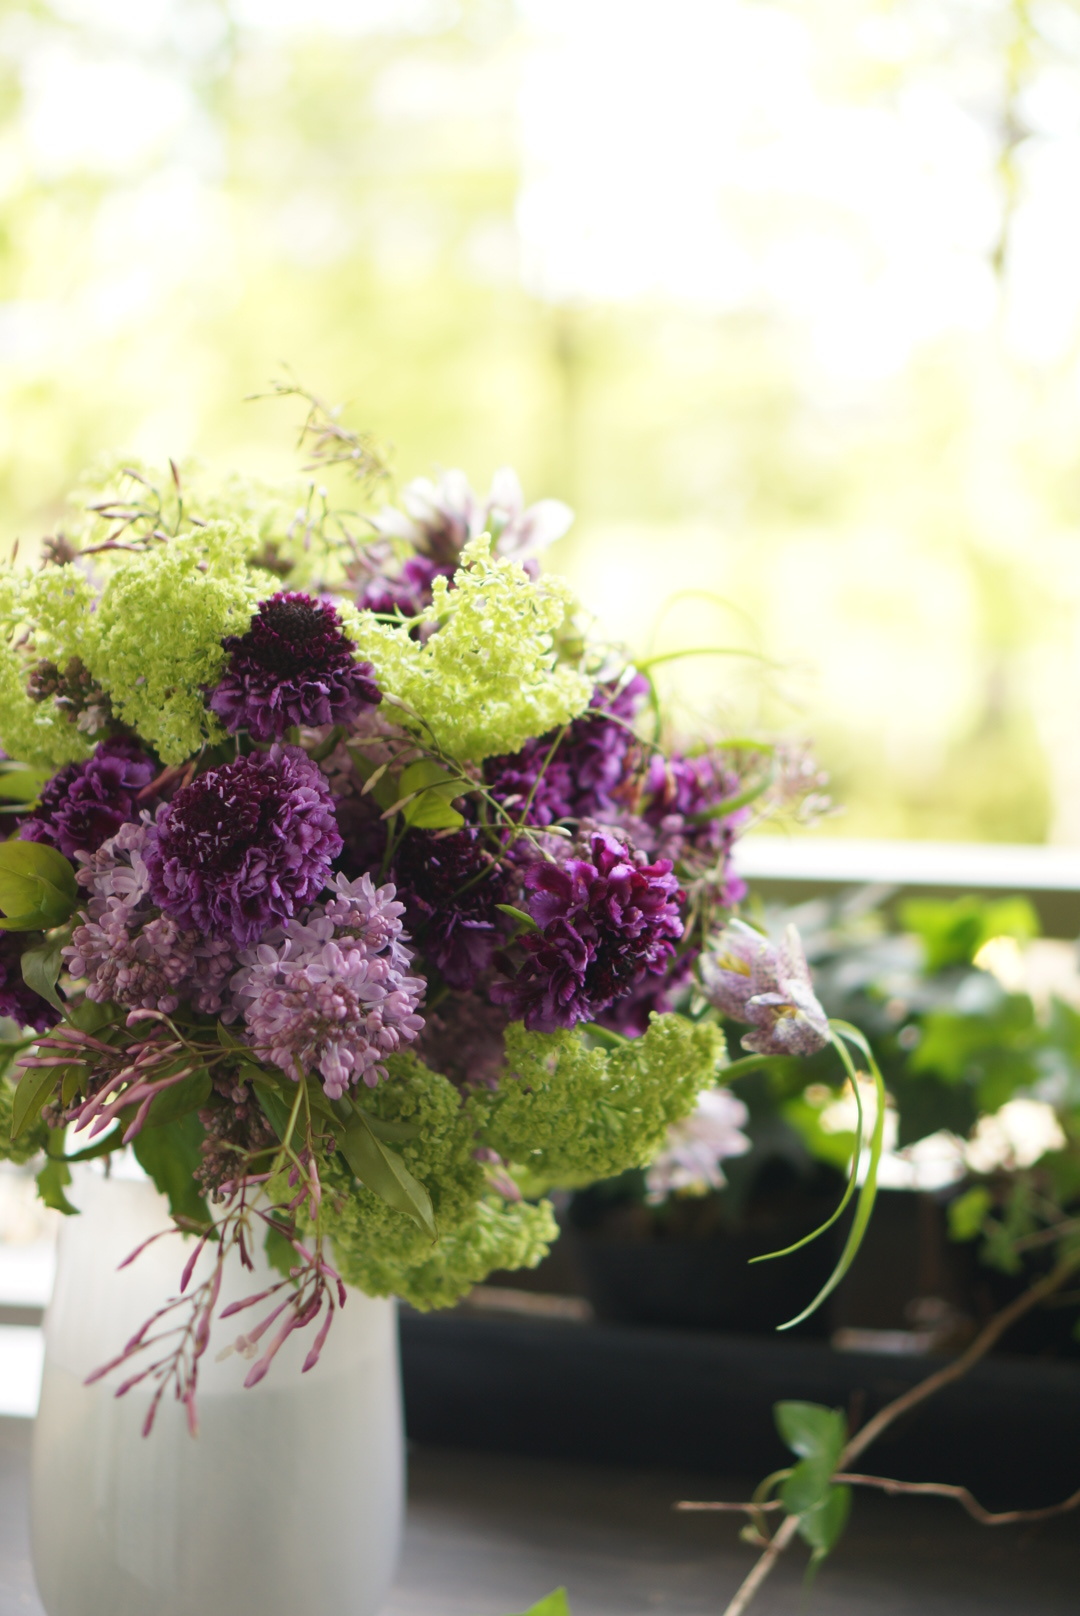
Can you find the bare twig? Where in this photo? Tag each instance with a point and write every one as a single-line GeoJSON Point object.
{"type": "Point", "coordinates": [942, 1489]}
{"type": "Point", "coordinates": [987, 1338]}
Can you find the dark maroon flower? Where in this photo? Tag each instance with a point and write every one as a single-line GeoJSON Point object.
{"type": "Point", "coordinates": [245, 845]}
{"type": "Point", "coordinates": [20, 1003]}
{"type": "Point", "coordinates": [450, 886]}
{"type": "Point", "coordinates": [295, 665]}
{"type": "Point", "coordinates": [86, 803]}
{"type": "Point", "coordinates": [605, 923]}
{"type": "Point", "coordinates": [583, 774]}
{"type": "Point", "coordinates": [463, 1039]}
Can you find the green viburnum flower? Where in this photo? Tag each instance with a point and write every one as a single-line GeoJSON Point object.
{"type": "Point", "coordinates": [487, 681]}
{"type": "Point", "coordinates": [41, 615]}
{"type": "Point", "coordinates": [375, 1244]}
{"type": "Point", "coordinates": [160, 623]}
{"type": "Point", "coordinates": [569, 1114]}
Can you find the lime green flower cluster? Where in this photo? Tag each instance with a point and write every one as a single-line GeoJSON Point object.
{"type": "Point", "coordinates": [384, 1252]}
{"type": "Point", "coordinates": [569, 1114]}
{"type": "Point", "coordinates": [151, 640]}
{"type": "Point", "coordinates": [487, 681]}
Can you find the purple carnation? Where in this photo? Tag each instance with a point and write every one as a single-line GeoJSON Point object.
{"type": "Point", "coordinates": [86, 803]}
{"type": "Point", "coordinates": [331, 993]}
{"type": "Point", "coordinates": [127, 951]}
{"type": "Point", "coordinates": [20, 1003]}
{"type": "Point", "coordinates": [295, 665]}
{"type": "Point", "coordinates": [451, 886]}
{"type": "Point", "coordinates": [675, 820]}
{"type": "Point", "coordinates": [581, 779]}
{"type": "Point", "coordinates": [605, 923]}
{"type": "Point", "coordinates": [244, 845]}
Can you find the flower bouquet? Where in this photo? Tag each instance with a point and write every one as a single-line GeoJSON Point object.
{"type": "Point", "coordinates": [351, 887]}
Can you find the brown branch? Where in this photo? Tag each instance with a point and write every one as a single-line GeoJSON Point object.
{"type": "Point", "coordinates": [942, 1489]}
{"type": "Point", "coordinates": [690, 1504]}
{"type": "Point", "coordinates": [987, 1338]}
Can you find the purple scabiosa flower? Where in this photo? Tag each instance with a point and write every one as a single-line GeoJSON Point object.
{"type": "Point", "coordinates": [86, 803]}
{"type": "Point", "coordinates": [581, 778]}
{"type": "Point", "coordinates": [295, 665]}
{"type": "Point", "coordinates": [127, 951]}
{"type": "Point", "coordinates": [451, 886]}
{"type": "Point", "coordinates": [605, 922]}
{"type": "Point", "coordinates": [753, 980]}
{"type": "Point", "coordinates": [331, 993]}
{"type": "Point", "coordinates": [244, 845]}
{"type": "Point", "coordinates": [695, 1147]}
{"type": "Point", "coordinates": [677, 819]}
{"type": "Point", "coordinates": [25, 1007]}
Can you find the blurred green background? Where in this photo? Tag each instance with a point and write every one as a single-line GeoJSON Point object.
{"type": "Point", "coordinates": [783, 299]}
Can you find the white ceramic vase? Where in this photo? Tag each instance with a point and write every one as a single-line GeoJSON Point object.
{"type": "Point", "coordinates": [289, 1501]}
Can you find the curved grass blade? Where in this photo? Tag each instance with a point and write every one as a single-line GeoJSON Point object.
{"type": "Point", "coordinates": [853, 1175]}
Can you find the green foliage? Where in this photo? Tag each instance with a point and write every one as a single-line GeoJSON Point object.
{"type": "Point", "coordinates": [171, 1155]}
{"type": "Point", "coordinates": [37, 887]}
{"type": "Point", "coordinates": [570, 1113]}
{"type": "Point", "coordinates": [555, 1604]}
{"type": "Point", "coordinates": [382, 1170]}
{"type": "Point", "coordinates": [160, 624]}
{"type": "Point", "coordinates": [967, 1214]}
{"type": "Point", "coordinates": [487, 681]}
{"type": "Point", "coordinates": [52, 1181]}
{"type": "Point", "coordinates": [992, 1052]}
{"type": "Point", "coordinates": [30, 1139]}
{"type": "Point", "coordinates": [952, 932]}
{"type": "Point", "coordinates": [817, 1436]}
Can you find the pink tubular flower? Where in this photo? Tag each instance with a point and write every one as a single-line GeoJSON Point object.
{"type": "Point", "coordinates": [331, 993]}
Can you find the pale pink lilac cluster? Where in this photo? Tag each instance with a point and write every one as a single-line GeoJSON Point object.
{"type": "Point", "coordinates": [694, 1149]}
{"type": "Point", "coordinates": [331, 992]}
{"type": "Point", "coordinates": [127, 950]}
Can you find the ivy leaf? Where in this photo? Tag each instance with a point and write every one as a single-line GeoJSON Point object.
{"type": "Point", "coordinates": [51, 1183]}
{"type": "Point", "coordinates": [383, 1171]}
{"type": "Point", "coordinates": [821, 1527]}
{"type": "Point", "coordinates": [811, 1430]}
{"type": "Point", "coordinates": [41, 970]}
{"type": "Point", "coordinates": [555, 1604]}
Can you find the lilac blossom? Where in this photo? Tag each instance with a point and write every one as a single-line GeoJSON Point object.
{"type": "Point", "coordinates": [751, 979]}
{"type": "Point", "coordinates": [604, 923]}
{"type": "Point", "coordinates": [294, 666]}
{"type": "Point", "coordinates": [127, 951]}
{"type": "Point", "coordinates": [581, 776]}
{"type": "Point", "coordinates": [17, 1001]}
{"type": "Point", "coordinates": [695, 1147]}
{"type": "Point", "coordinates": [330, 993]}
{"type": "Point", "coordinates": [86, 803]}
{"type": "Point", "coordinates": [244, 845]}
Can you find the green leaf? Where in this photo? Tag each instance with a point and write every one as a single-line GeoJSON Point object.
{"type": "Point", "coordinates": [525, 922]}
{"type": "Point", "coordinates": [41, 970]}
{"type": "Point", "coordinates": [22, 784]}
{"type": "Point", "coordinates": [274, 1108]}
{"type": "Point", "coordinates": [967, 1213]}
{"type": "Point", "coordinates": [170, 1156]}
{"type": "Point", "coordinates": [822, 1526]}
{"type": "Point", "coordinates": [388, 1131]}
{"type": "Point", "coordinates": [953, 930]}
{"type": "Point", "coordinates": [811, 1430]}
{"type": "Point", "coordinates": [279, 1253]}
{"type": "Point", "coordinates": [51, 1183]}
{"type": "Point", "coordinates": [432, 810]}
{"type": "Point", "coordinates": [555, 1604]}
{"type": "Point", "coordinates": [177, 1101]}
{"type": "Point", "coordinates": [383, 1171]}
{"type": "Point", "coordinates": [37, 886]}
{"type": "Point", "coordinates": [31, 1092]}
